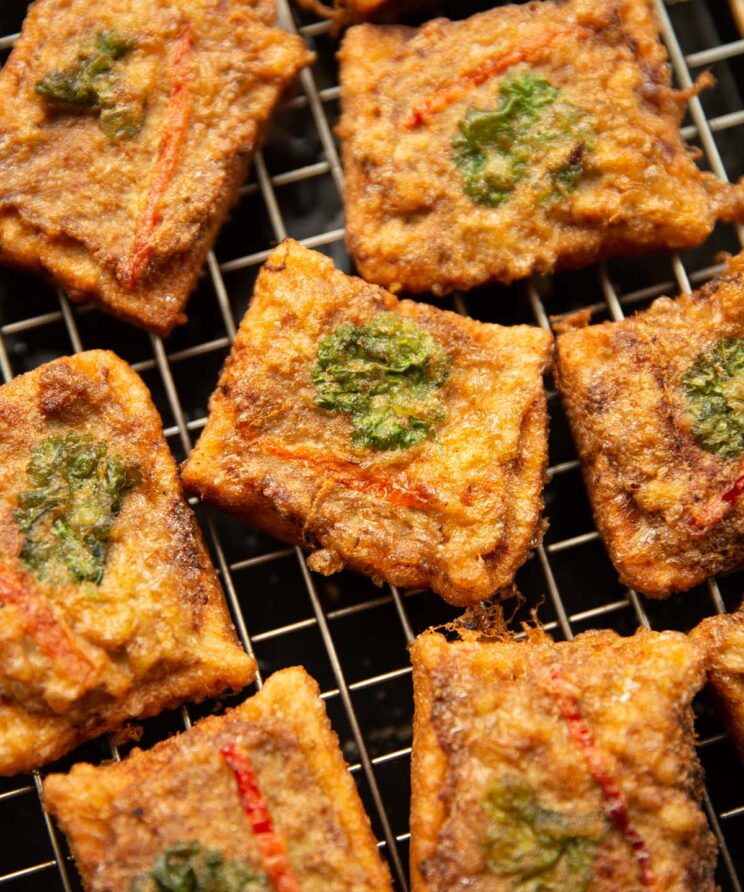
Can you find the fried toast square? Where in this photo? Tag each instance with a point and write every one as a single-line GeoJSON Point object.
{"type": "Point", "coordinates": [655, 406]}
{"type": "Point", "coordinates": [723, 637]}
{"type": "Point", "coordinates": [111, 609]}
{"type": "Point", "coordinates": [387, 436]}
{"type": "Point", "coordinates": [568, 765]}
{"type": "Point", "coordinates": [525, 139]}
{"type": "Point", "coordinates": [126, 129]}
{"type": "Point", "coordinates": [261, 794]}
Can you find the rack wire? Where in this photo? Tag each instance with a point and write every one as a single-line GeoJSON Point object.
{"type": "Point", "coordinates": [351, 636]}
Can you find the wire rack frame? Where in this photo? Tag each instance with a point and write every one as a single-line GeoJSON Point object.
{"type": "Point", "coordinates": [184, 430]}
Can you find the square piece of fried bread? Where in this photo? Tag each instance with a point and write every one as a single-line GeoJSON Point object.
{"type": "Point", "coordinates": [110, 609]}
{"type": "Point", "coordinates": [524, 139]}
{"type": "Point", "coordinates": [656, 408]}
{"type": "Point", "coordinates": [256, 799]}
{"type": "Point", "coordinates": [126, 129]}
{"type": "Point", "coordinates": [570, 765]}
{"type": "Point", "coordinates": [388, 436]}
{"type": "Point", "coordinates": [723, 636]}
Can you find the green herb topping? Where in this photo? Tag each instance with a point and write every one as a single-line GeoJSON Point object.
{"type": "Point", "coordinates": [91, 86]}
{"type": "Point", "coordinates": [533, 134]}
{"type": "Point", "coordinates": [540, 850]}
{"type": "Point", "coordinates": [714, 389]}
{"type": "Point", "coordinates": [189, 867]}
{"type": "Point", "coordinates": [67, 517]}
{"type": "Point", "coordinates": [387, 376]}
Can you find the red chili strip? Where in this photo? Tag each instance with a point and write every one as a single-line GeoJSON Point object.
{"type": "Point", "coordinates": [615, 805]}
{"type": "Point", "coordinates": [270, 845]}
{"type": "Point", "coordinates": [442, 99]}
{"type": "Point", "coordinates": [706, 517]}
{"type": "Point", "coordinates": [176, 125]}
{"type": "Point", "coordinates": [52, 636]}
{"type": "Point", "coordinates": [397, 489]}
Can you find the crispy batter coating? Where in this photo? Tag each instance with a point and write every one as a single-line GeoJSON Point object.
{"type": "Point", "coordinates": [610, 175]}
{"type": "Point", "coordinates": [119, 817]}
{"type": "Point", "coordinates": [515, 716]}
{"type": "Point", "coordinates": [458, 511]}
{"type": "Point", "coordinates": [80, 658]}
{"type": "Point", "coordinates": [127, 222]}
{"type": "Point", "coordinates": [723, 637]}
{"type": "Point", "coordinates": [659, 497]}
{"type": "Point", "coordinates": [737, 10]}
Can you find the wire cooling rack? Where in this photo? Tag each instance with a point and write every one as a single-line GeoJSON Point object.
{"type": "Point", "coordinates": [350, 635]}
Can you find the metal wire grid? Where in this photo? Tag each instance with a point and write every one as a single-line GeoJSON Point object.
{"type": "Point", "coordinates": [414, 610]}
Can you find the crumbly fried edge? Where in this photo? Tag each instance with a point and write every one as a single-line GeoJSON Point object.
{"type": "Point", "coordinates": [723, 638]}
{"type": "Point", "coordinates": [41, 738]}
{"type": "Point", "coordinates": [429, 761]}
{"type": "Point", "coordinates": [428, 770]}
{"type": "Point", "coordinates": [158, 304]}
{"type": "Point", "coordinates": [525, 478]}
{"type": "Point", "coordinates": [265, 10]}
{"type": "Point", "coordinates": [290, 692]}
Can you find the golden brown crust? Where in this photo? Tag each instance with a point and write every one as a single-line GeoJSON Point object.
{"type": "Point", "coordinates": [737, 10]}
{"type": "Point", "coordinates": [486, 711]}
{"type": "Point", "coordinates": [155, 632]}
{"type": "Point", "coordinates": [232, 70]}
{"type": "Point", "coordinates": [723, 637]}
{"type": "Point", "coordinates": [458, 512]}
{"type": "Point", "coordinates": [647, 477]}
{"type": "Point", "coordinates": [428, 768]}
{"type": "Point", "coordinates": [120, 816]}
{"type": "Point", "coordinates": [411, 226]}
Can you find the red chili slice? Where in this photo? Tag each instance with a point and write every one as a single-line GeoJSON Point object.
{"type": "Point", "coordinates": [396, 489]}
{"type": "Point", "coordinates": [176, 126]}
{"type": "Point", "coordinates": [441, 99]}
{"type": "Point", "coordinates": [706, 517]}
{"type": "Point", "coordinates": [732, 494]}
{"type": "Point", "coordinates": [615, 805]}
{"type": "Point", "coordinates": [52, 636]}
{"type": "Point", "coordinates": [270, 844]}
